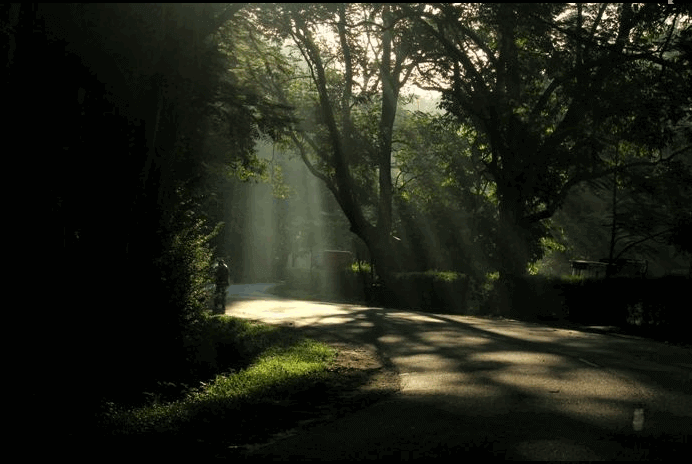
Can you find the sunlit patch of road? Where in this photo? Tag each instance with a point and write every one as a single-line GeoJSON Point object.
{"type": "Point", "coordinates": [251, 301]}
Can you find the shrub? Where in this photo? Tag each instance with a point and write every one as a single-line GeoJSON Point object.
{"type": "Point", "coordinates": [650, 307]}
{"type": "Point", "coordinates": [533, 296]}
{"type": "Point", "coordinates": [662, 307]}
{"type": "Point", "coordinates": [539, 297]}
{"type": "Point", "coordinates": [361, 267]}
{"type": "Point", "coordinates": [433, 290]}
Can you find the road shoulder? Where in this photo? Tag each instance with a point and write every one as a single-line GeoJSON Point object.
{"type": "Point", "coordinates": [356, 380]}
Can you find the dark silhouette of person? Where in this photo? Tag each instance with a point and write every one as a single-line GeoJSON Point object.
{"type": "Point", "coordinates": [222, 275]}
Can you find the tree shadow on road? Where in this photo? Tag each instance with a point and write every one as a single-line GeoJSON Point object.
{"type": "Point", "coordinates": [514, 390]}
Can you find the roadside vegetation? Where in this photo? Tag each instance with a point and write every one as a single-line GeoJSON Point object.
{"type": "Point", "coordinates": [260, 375]}
{"type": "Point", "coordinates": [644, 307]}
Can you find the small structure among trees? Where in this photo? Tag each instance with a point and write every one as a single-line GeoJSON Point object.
{"type": "Point", "coordinates": [605, 268]}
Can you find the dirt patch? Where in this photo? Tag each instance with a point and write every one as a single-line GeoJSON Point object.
{"type": "Point", "coordinates": [359, 371]}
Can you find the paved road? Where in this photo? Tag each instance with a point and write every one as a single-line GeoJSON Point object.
{"type": "Point", "coordinates": [494, 388]}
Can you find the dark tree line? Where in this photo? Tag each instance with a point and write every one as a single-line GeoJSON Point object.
{"type": "Point", "coordinates": [108, 108]}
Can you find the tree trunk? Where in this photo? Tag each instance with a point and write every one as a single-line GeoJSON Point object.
{"type": "Point", "coordinates": [613, 224]}
{"type": "Point", "coordinates": [378, 246]}
{"type": "Point", "coordinates": [378, 237]}
{"type": "Point", "coordinates": [389, 104]}
{"type": "Point", "coordinates": [512, 248]}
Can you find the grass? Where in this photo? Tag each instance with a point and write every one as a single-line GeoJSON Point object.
{"type": "Point", "coordinates": [232, 407]}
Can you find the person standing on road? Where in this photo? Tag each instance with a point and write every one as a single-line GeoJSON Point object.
{"type": "Point", "coordinates": [222, 276]}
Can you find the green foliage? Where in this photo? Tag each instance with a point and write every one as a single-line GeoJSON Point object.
{"type": "Point", "coordinates": [362, 267]}
{"type": "Point", "coordinates": [648, 307]}
{"type": "Point", "coordinates": [270, 363]}
{"type": "Point", "coordinates": [432, 290]}
{"type": "Point", "coordinates": [130, 226]}
{"type": "Point", "coordinates": [255, 170]}
{"type": "Point", "coordinates": [555, 254]}
{"type": "Point", "coordinates": [190, 259]}
{"type": "Point", "coordinates": [445, 211]}
{"type": "Point", "coordinates": [444, 276]}
{"type": "Point", "coordinates": [532, 269]}
{"type": "Point", "coordinates": [544, 115]}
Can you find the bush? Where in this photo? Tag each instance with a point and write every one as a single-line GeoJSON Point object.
{"type": "Point", "coordinates": [346, 284]}
{"type": "Point", "coordinates": [540, 297]}
{"type": "Point", "coordinates": [533, 297]}
{"type": "Point", "coordinates": [650, 307]}
{"type": "Point", "coordinates": [662, 308]}
{"type": "Point", "coordinates": [437, 291]}
{"type": "Point", "coordinates": [603, 301]}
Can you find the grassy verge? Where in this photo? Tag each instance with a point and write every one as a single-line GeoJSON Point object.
{"type": "Point", "coordinates": [274, 371]}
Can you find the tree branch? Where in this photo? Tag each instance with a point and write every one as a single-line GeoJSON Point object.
{"type": "Point", "coordinates": [585, 177]}
{"type": "Point", "coordinates": [230, 10]}
{"type": "Point", "coordinates": [460, 56]}
{"type": "Point", "coordinates": [348, 73]}
{"type": "Point", "coordinates": [452, 15]}
{"type": "Point", "coordinates": [543, 100]}
{"type": "Point", "coordinates": [645, 239]}
{"type": "Point", "coordinates": [303, 155]}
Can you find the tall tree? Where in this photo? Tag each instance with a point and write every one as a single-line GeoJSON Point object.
{"type": "Point", "coordinates": [536, 82]}
{"type": "Point", "coordinates": [358, 59]}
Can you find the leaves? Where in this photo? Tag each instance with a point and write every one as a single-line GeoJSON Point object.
{"type": "Point", "coordinates": [549, 90]}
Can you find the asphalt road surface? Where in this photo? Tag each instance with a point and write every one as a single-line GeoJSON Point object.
{"type": "Point", "coordinates": [491, 388]}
